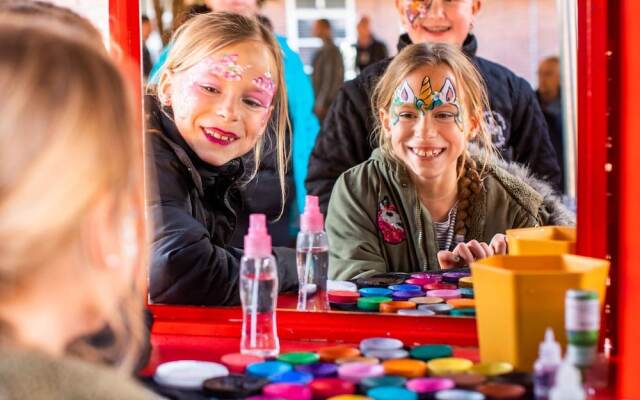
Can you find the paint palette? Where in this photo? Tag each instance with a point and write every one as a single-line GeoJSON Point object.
{"type": "Point", "coordinates": [448, 292]}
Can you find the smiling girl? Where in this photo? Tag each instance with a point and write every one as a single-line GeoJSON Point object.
{"type": "Point", "coordinates": [221, 83]}
{"type": "Point", "coordinates": [426, 199]}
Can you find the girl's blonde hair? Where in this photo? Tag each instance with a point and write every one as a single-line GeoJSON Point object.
{"type": "Point", "coordinates": [472, 95]}
{"type": "Point", "coordinates": [205, 34]}
{"type": "Point", "coordinates": [67, 141]}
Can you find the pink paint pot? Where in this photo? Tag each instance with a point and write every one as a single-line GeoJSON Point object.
{"type": "Point", "coordinates": [289, 391]}
{"type": "Point", "coordinates": [421, 281]}
{"type": "Point", "coordinates": [355, 372]}
{"type": "Point", "coordinates": [430, 385]}
{"type": "Point", "coordinates": [445, 294]}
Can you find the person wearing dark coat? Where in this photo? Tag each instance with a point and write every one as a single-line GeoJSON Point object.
{"type": "Point", "coordinates": [192, 206]}
{"type": "Point", "coordinates": [369, 50]}
{"type": "Point", "coordinates": [518, 128]}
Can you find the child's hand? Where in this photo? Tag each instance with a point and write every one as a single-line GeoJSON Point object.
{"type": "Point", "coordinates": [499, 244]}
{"type": "Point", "coordinates": [464, 254]}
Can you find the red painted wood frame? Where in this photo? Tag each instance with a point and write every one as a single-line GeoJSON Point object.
{"type": "Point", "coordinates": [596, 235]}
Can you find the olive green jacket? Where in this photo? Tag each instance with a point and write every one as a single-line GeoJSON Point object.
{"type": "Point", "coordinates": [375, 222]}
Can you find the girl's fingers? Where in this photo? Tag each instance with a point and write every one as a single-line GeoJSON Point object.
{"type": "Point", "coordinates": [462, 250]}
{"type": "Point", "coordinates": [477, 250]}
{"type": "Point", "coordinates": [447, 259]}
{"type": "Point", "coordinates": [487, 249]}
{"type": "Point", "coordinates": [499, 244]}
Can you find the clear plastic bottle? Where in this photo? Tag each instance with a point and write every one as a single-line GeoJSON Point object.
{"type": "Point", "coordinates": [568, 384]}
{"type": "Point", "coordinates": [546, 366]}
{"type": "Point", "coordinates": [258, 291]}
{"type": "Point", "coordinates": [312, 259]}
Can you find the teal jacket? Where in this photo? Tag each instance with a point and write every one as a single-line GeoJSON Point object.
{"type": "Point", "coordinates": [301, 98]}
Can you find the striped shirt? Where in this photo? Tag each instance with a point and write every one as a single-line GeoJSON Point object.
{"type": "Point", "coordinates": [444, 230]}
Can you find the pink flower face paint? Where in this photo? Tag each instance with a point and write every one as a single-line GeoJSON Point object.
{"type": "Point", "coordinates": [265, 83]}
{"type": "Point", "coordinates": [227, 67]}
{"type": "Point", "coordinates": [414, 9]}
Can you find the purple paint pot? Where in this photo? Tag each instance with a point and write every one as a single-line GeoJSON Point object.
{"type": "Point", "coordinates": [427, 275]}
{"type": "Point", "coordinates": [319, 370]}
{"type": "Point", "coordinates": [454, 277]}
{"type": "Point", "coordinates": [403, 295]}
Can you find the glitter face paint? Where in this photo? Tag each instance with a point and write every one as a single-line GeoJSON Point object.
{"type": "Point", "coordinates": [227, 67]}
{"type": "Point", "coordinates": [415, 9]}
{"type": "Point", "coordinates": [266, 83]}
{"type": "Point", "coordinates": [427, 99]}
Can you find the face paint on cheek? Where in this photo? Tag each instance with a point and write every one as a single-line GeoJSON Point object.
{"type": "Point", "coordinates": [227, 67]}
{"type": "Point", "coordinates": [414, 9]}
{"type": "Point", "coordinates": [184, 98]}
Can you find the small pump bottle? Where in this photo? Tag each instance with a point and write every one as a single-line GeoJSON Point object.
{"type": "Point", "coordinates": [258, 291]}
{"type": "Point", "coordinates": [312, 259]}
{"type": "Point", "coordinates": [546, 366]}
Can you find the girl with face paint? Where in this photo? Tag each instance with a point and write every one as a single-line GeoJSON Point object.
{"type": "Point", "coordinates": [220, 87]}
{"type": "Point", "coordinates": [434, 194]}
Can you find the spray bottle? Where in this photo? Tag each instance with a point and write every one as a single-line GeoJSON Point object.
{"type": "Point", "coordinates": [258, 291]}
{"type": "Point", "coordinates": [312, 259]}
{"type": "Point", "coordinates": [546, 366]}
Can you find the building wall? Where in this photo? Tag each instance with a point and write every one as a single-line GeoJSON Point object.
{"type": "Point", "coordinates": [515, 33]}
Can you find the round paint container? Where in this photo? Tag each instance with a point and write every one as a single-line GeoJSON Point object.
{"type": "Point", "coordinates": [439, 286]}
{"type": "Point", "coordinates": [330, 354]}
{"type": "Point", "coordinates": [381, 280]}
{"type": "Point", "coordinates": [405, 288]}
{"type": "Point", "coordinates": [363, 360]}
{"type": "Point", "coordinates": [445, 294]}
{"type": "Point", "coordinates": [440, 309]}
{"type": "Point", "coordinates": [407, 368]}
{"type": "Point", "coordinates": [462, 303]}
{"type": "Point", "coordinates": [188, 374]}
{"type": "Point", "coordinates": [457, 394]}
{"type": "Point", "coordinates": [492, 368]}
{"type": "Point", "coordinates": [391, 393]}
{"type": "Point", "coordinates": [355, 372]}
{"type": "Point", "coordinates": [401, 295]}
{"type": "Point", "coordinates": [417, 313]}
{"type": "Point", "coordinates": [448, 365]}
{"type": "Point", "coordinates": [343, 306]}
{"type": "Point", "coordinates": [387, 380]}
{"type": "Point", "coordinates": [380, 343]}
{"type": "Point", "coordinates": [466, 380]}
{"type": "Point", "coordinates": [343, 286]}
{"type": "Point", "coordinates": [421, 281]}
{"type": "Point", "coordinates": [372, 303]}
{"type": "Point", "coordinates": [427, 275]}
{"type": "Point", "coordinates": [289, 391]}
{"type": "Point", "coordinates": [463, 312]}
{"type": "Point", "coordinates": [391, 307]}
{"type": "Point", "coordinates": [349, 397]}
{"type": "Point", "coordinates": [237, 362]}
{"type": "Point", "coordinates": [293, 377]}
{"type": "Point", "coordinates": [465, 282]}
{"type": "Point", "coordinates": [429, 352]}
{"type": "Point", "coordinates": [301, 357]}
{"type": "Point", "coordinates": [426, 300]}
{"type": "Point", "coordinates": [387, 354]}
{"type": "Point", "coordinates": [467, 293]}
{"type": "Point", "coordinates": [342, 296]}
{"type": "Point", "coordinates": [319, 370]}
{"type": "Point", "coordinates": [375, 292]}
{"type": "Point", "coordinates": [323, 388]}
{"type": "Point", "coordinates": [234, 386]}
{"type": "Point", "coordinates": [268, 369]}
{"type": "Point", "coordinates": [454, 277]}
{"type": "Point", "coordinates": [430, 385]}
{"type": "Point", "coordinates": [505, 391]}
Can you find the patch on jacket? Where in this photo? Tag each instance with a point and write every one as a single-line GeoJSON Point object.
{"type": "Point", "coordinates": [497, 126]}
{"type": "Point", "coordinates": [389, 222]}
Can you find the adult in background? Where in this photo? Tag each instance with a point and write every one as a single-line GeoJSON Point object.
{"type": "Point", "coordinates": [146, 56]}
{"type": "Point", "coordinates": [517, 125]}
{"type": "Point", "coordinates": [328, 69]}
{"type": "Point", "coordinates": [550, 101]}
{"type": "Point", "coordinates": [369, 50]}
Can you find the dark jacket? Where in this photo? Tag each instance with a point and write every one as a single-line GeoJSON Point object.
{"type": "Point", "coordinates": [192, 207]}
{"type": "Point", "coordinates": [371, 54]}
{"type": "Point", "coordinates": [328, 74]}
{"type": "Point", "coordinates": [518, 128]}
{"type": "Point", "coordinates": [376, 224]}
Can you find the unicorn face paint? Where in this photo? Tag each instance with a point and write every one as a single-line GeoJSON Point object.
{"type": "Point", "coordinates": [222, 104]}
{"type": "Point", "coordinates": [426, 128]}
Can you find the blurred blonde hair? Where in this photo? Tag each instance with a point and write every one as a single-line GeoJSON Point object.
{"type": "Point", "coordinates": [67, 141]}
{"type": "Point", "coordinates": [472, 95]}
{"type": "Point", "coordinates": [205, 34]}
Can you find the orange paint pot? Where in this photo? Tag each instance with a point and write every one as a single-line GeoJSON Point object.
{"type": "Point", "coordinates": [393, 306]}
{"type": "Point", "coordinates": [462, 303]}
{"type": "Point", "coordinates": [405, 367]}
{"type": "Point", "coordinates": [331, 354]}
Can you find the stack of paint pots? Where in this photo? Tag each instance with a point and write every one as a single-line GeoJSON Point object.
{"type": "Point", "coordinates": [422, 294]}
{"type": "Point", "coordinates": [381, 368]}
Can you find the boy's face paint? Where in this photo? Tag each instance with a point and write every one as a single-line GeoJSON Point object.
{"type": "Point", "coordinates": [438, 21]}
{"type": "Point", "coordinates": [427, 99]}
{"type": "Point", "coordinates": [427, 130]}
{"type": "Point", "coordinates": [222, 104]}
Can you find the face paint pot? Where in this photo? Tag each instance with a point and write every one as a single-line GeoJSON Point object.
{"type": "Point", "coordinates": [502, 391]}
{"type": "Point", "coordinates": [465, 282]}
{"type": "Point", "coordinates": [429, 352]}
{"type": "Point", "coordinates": [330, 354]}
{"type": "Point", "coordinates": [387, 380]}
{"type": "Point", "coordinates": [462, 303]}
{"type": "Point", "coordinates": [372, 303]}
{"type": "Point", "coordinates": [323, 388]}
{"type": "Point", "coordinates": [355, 372]}
{"type": "Point", "coordinates": [448, 365]}
{"type": "Point", "coordinates": [344, 286]}
{"type": "Point", "coordinates": [454, 277]}
{"type": "Point", "coordinates": [361, 359]}
{"type": "Point", "coordinates": [427, 275]}
{"type": "Point", "coordinates": [293, 377]}
{"type": "Point", "coordinates": [234, 386]}
{"type": "Point", "coordinates": [300, 357]}
{"type": "Point", "coordinates": [457, 394]}
{"type": "Point", "coordinates": [466, 380]}
{"type": "Point", "coordinates": [426, 300]}
{"type": "Point", "coordinates": [439, 286]}
{"type": "Point", "coordinates": [467, 293]}
{"type": "Point", "coordinates": [440, 309]}
{"type": "Point", "coordinates": [391, 393]}
{"type": "Point", "coordinates": [430, 385]}
{"type": "Point", "coordinates": [445, 294]}
{"type": "Point", "coordinates": [289, 391]}
{"type": "Point", "coordinates": [406, 368]}
{"type": "Point", "coordinates": [268, 369]}
{"type": "Point", "coordinates": [187, 374]}
{"type": "Point", "coordinates": [375, 292]}
{"type": "Point", "coordinates": [463, 312]}
{"type": "Point", "coordinates": [391, 307]}
{"type": "Point", "coordinates": [380, 343]}
{"type": "Point", "coordinates": [417, 313]}
{"type": "Point", "coordinates": [387, 354]}
{"type": "Point", "coordinates": [491, 369]}
{"type": "Point", "coordinates": [237, 362]}
{"type": "Point", "coordinates": [421, 281]}
{"type": "Point", "coordinates": [403, 295]}
{"type": "Point", "coordinates": [319, 370]}
{"type": "Point", "coordinates": [405, 288]}
{"type": "Point", "coordinates": [342, 296]}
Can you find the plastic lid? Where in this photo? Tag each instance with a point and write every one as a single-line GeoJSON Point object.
{"type": "Point", "coordinates": [237, 362]}
{"type": "Point", "coordinates": [407, 368]}
{"type": "Point", "coordinates": [387, 380]}
{"type": "Point", "coordinates": [406, 288]}
{"type": "Point", "coordinates": [463, 312]}
{"type": "Point", "coordinates": [431, 351]}
{"type": "Point", "coordinates": [363, 360]}
{"type": "Point", "coordinates": [372, 303]}
{"type": "Point", "coordinates": [462, 303]}
{"type": "Point", "coordinates": [188, 374]}
{"type": "Point", "coordinates": [341, 286]}
{"type": "Point", "coordinates": [457, 394]}
{"type": "Point", "coordinates": [374, 292]}
{"type": "Point", "coordinates": [417, 313]}
{"type": "Point", "coordinates": [466, 282]}
{"type": "Point", "coordinates": [257, 242]}
{"type": "Point", "coordinates": [234, 386]}
{"type": "Point", "coordinates": [391, 393]}
{"type": "Point", "coordinates": [439, 285]}
{"type": "Point", "coordinates": [429, 385]}
{"type": "Point", "coordinates": [437, 308]}
{"type": "Point", "coordinates": [502, 390]}
{"type": "Point", "coordinates": [444, 293]}
{"type": "Point", "coordinates": [331, 354]}
{"type": "Point", "coordinates": [349, 397]}
{"type": "Point", "coordinates": [467, 380]}
{"type": "Point", "coordinates": [387, 354]}
{"type": "Point", "coordinates": [427, 275]}
{"type": "Point", "coordinates": [290, 391]}
{"type": "Point", "coordinates": [327, 387]}
{"type": "Point", "coordinates": [268, 369]}
{"type": "Point", "coordinates": [393, 306]}
{"type": "Point", "coordinates": [380, 343]}
{"type": "Point", "coordinates": [342, 296]}
{"type": "Point", "coordinates": [421, 281]}
{"type": "Point", "coordinates": [355, 372]}
{"type": "Point", "coordinates": [406, 295]}
{"type": "Point", "coordinates": [311, 219]}
{"type": "Point", "coordinates": [568, 384]}
{"type": "Point", "coordinates": [293, 377]}
{"type": "Point", "coordinates": [549, 351]}
{"type": "Point", "coordinates": [449, 365]}
{"type": "Point", "coordinates": [301, 357]}
{"type": "Point", "coordinates": [492, 368]}
{"type": "Point", "coordinates": [319, 370]}
{"type": "Point", "coordinates": [467, 292]}
{"type": "Point", "coordinates": [427, 300]}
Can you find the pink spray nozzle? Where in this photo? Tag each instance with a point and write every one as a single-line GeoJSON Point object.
{"type": "Point", "coordinates": [257, 242]}
{"type": "Point", "coordinates": [312, 219]}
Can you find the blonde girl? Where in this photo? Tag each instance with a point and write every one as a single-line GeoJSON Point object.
{"type": "Point", "coordinates": [433, 194]}
{"type": "Point", "coordinates": [71, 226]}
{"type": "Point", "coordinates": [221, 84]}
